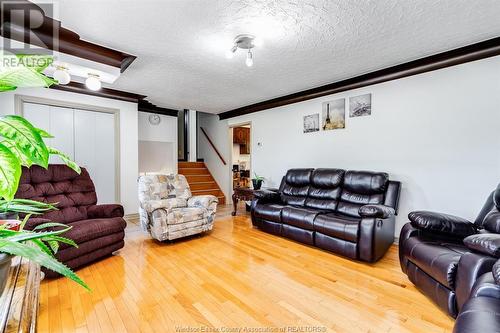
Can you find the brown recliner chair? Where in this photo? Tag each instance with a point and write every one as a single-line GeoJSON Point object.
{"type": "Point", "coordinates": [98, 230]}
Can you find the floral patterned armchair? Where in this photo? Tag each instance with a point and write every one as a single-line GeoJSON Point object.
{"type": "Point", "coordinates": [169, 211]}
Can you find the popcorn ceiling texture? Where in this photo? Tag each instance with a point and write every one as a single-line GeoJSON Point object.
{"type": "Point", "coordinates": [180, 44]}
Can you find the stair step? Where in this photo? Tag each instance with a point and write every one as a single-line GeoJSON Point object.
{"type": "Point", "coordinates": [202, 185]}
{"type": "Point", "coordinates": [213, 191]}
{"type": "Point", "coordinates": [191, 165]}
{"type": "Point", "coordinates": [192, 179]}
{"type": "Point", "coordinates": [194, 171]}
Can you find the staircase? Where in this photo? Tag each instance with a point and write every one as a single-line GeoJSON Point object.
{"type": "Point", "coordinates": [200, 180]}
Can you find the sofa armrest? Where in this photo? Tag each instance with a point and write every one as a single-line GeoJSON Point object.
{"type": "Point", "coordinates": [376, 235]}
{"type": "Point", "coordinates": [378, 211]}
{"type": "Point", "coordinates": [167, 204]}
{"type": "Point", "coordinates": [491, 221]}
{"type": "Point", "coordinates": [209, 202]}
{"type": "Point", "coordinates": [442, 223]}
{"type": "Point", "coordinates": [267, 196]}
{"type": "Point", "coordinates": [470, 267]}
{"type": "Point", "coordinates": [105, 211]}
{"type": "Point", "coordinates": [488, 244]}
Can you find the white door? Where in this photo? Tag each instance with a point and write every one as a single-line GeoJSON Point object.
{"type": "Point", "coordinates": [95, 150]}
{"type": "Point", "coordinates": [88, 137]}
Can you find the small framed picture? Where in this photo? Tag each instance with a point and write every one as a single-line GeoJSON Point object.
{"type": "Point", "coordinates": [360, 106]}
{"type": "Point", "coordinates": [333, 115]}
{"type": "Point", "coordinates": [311, 123]}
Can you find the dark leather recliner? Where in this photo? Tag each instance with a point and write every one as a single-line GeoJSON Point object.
{"type": "Point", "coordinates": [481, 312]}
{"type": "Point", "coordinates": [347, 212]}
{"type": "Point", "coordinates": [99, 230]}
{"type": "Point", "coordinates": [441, 256]}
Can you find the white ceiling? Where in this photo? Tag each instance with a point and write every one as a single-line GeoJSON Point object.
{"type": "Point", "coordinates": [181, 44]}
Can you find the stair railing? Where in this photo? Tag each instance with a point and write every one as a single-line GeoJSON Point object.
{"type": "Point", "coordinates": [213, 146]}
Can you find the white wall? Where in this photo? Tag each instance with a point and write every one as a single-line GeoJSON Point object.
{"type": "Point", "coordinates": [128, 133]}
{"type": "Point", "coordinates": [165, 135]}
{"type": "Point", "coordinates": [437, 132]}
{"type": "Point", "coordinates": [193, 134]}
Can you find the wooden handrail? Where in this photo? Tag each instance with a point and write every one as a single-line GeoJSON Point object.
{"type": "Point", "coordinates": [213, 146]}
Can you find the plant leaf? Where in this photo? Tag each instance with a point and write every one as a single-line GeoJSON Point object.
{"type": "Point", "coordinates": [43, 133]}
{"type": "Point", "coordinates": [10, 173]}
{"type": "Point", "coordinates": [61, 240]}
{"type": "Point", "coordinates": [29, 141]}
{"type": "Point", "coordinates": [25, 160]}
{"type": "Point", "coordinates": [44, 247]}
{"type": "Point", "coordinates": [40, 257]}
{"type": "Point", "coordinates": [54, 245]}
{"type": "Point", "coordinates": [27, 235]}
{"type": "Point", "coordinates": [49, 225]}
{"type": "Point", "coordinates": [65, 158]}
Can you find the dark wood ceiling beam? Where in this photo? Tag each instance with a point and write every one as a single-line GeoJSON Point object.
{"type": "Point", "coordinates": [49, 33]}
{"type": "Point", "coordinates": [80, 88]}
{"type": "Point", "coordinates": [485, 49]}
{"type": "Point", "coordinates": [146, 106]}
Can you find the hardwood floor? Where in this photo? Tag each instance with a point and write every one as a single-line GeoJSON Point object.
{"type": "Point", "coordinates": [233, 277]}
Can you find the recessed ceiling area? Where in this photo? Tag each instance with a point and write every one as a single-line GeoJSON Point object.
{"type": "Point", "coordinates": [181, 44]}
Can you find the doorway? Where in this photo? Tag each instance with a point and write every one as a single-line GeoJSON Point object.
{"type": "Point", "coordinates": [241, 156]}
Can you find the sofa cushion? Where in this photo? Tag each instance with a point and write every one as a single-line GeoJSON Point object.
{"type": "Point", "coordinates": [438, 259]}
{"type": "Point", "coordinates": [361, 188]}
{"type": "Point", "coordinates": [300, 217]}
{"type": "Point", "coordinates": [270, 212]}
{"type": "Point", "coordinates": [325, 188]}
{"type": "Point", "coordinates": [338, 226]}
{"type": "Point", "coordinates": [479, 314]}
{"type": "Point", "coordinates": [296, 186]}
{"type": "Point", "coordinates": [85, 230]}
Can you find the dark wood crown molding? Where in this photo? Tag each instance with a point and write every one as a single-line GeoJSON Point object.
{"type": "Point", "coordinates": [146, 106]}
{"type": "Point", "coordinates": [481, 50]}
{"type": "Point", "coordinates": [48, 33]}
{"type": "Point", "coordinates": [80, 88]}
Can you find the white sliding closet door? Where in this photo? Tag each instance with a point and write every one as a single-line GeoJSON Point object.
{"type": "Point", "coordinates": [61, 127]}
{"type": "Point", "coordinates": [88, 137]}
{"type": "Point", "coordinates": [58, 122]}
{"type": "Point", "coordinates": [95, 150]}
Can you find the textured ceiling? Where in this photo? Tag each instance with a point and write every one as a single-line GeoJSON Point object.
{"type": "Point", "coordinates": [181, 44]}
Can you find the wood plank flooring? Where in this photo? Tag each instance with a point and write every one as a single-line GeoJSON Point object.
{"type": "Point", "coordinates": [236, 277]}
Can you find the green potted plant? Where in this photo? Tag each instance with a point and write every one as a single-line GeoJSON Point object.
{"type": "Point", "coordinates": [22, 144]}
{"type": "Point", "coordinates": [257, 181]}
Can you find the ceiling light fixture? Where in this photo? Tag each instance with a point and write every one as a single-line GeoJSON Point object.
{"type": "Point", "coordinates": [245, 42]}
{"type": "Point", "coordinates": [93, 82]}
{"type": "Point", "coordinates": [61, 75]}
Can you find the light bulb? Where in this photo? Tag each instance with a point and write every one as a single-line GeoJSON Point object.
{"type": "Point", "coordinates": [61, 75]}
{"type": "Point", "coordinates": [249, 60]}
{"type": "Point", "coordinates": [93, 82]}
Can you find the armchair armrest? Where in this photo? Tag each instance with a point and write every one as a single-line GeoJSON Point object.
{"type": "Point", "coordinates": [377, 211]}
{"type": "Point", "coordinates": [488, 244]}
{"type": "Point", "coordinates": [491, 221]}
{"type": "Point", "coordinates": [166, 204]}
{"type": "Point", "coordinates": [208, 202]}
{"type": "Point", "coordinates": [267, 196]}
{"type": "Point", "coordinates": [442, 223]}
{"type": "Point", "coordinates": [105, 211]}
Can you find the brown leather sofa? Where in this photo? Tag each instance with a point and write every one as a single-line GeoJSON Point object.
{"type": "Point", "coordinates": [98, 230]}
{"type": "Point", "coordinates": [347, 212]}
{"type": "Point", "coordinates": [444, 255]}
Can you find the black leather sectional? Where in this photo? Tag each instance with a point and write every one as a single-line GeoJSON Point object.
{"type": "Point", "coordinates": [445, 256]}
{"type": "Point", "coordinates": [351, 213]}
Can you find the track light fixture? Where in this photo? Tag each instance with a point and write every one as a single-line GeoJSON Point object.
{"type": "Point", "coordinates": [245, 42]}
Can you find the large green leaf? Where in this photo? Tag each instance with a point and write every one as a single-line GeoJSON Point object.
{"type": "Point", "coordinates": [40, 257]}
{"type": "Point", "coordinates": [65, 158]}
{"type": "Point", "coordinates": [10, 173]}
{"type": "Point", "coordinates": [25, 160]}
{"type": "Point", "coordinates": [24, 71]}
{"type": "Point", "coordinates": [26, 137]}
